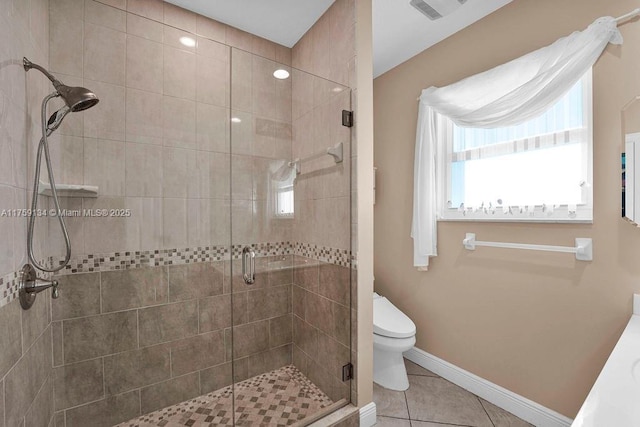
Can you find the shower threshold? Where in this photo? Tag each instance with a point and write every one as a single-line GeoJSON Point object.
{"type": "Point", "coordinates": [283, 397]}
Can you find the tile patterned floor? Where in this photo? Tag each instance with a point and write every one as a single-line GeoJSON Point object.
{"type": "Point", "coordinates": [278, 398]}
{"type": "Point", "coordinates": [432, 401]}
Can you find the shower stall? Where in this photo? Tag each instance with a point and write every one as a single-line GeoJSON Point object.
{"type": "Point", "coordinates": [210, 279]}
{"type": "Point", "coordinates": [208, 203]}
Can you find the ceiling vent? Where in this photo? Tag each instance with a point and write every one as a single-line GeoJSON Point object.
{"type": "Point", "coordinates": [436, 9]}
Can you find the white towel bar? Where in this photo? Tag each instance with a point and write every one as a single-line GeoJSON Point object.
{"type": "Point", "coordinates": [583, 248]}
{"type": "Point", "coordinates": [335, 152]}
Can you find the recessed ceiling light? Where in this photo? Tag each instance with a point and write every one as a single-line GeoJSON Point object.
{"type": "Point", "coordinates": [236, 119]}
{"type": "Point", "coordinates": [281, 74]}
{"type": "Point", "coordinates": [187, 41]}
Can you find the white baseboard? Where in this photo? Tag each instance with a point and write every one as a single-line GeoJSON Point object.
{"type": "Point", "coordinates": [368, 415]}
{"type": "Point", "coordinates": [522, 407]}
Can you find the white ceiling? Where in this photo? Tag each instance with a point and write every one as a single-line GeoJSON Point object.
{"type": "Point", "coordinates": [399, 31]}
{"type": "Point", "coordinates": [281, 21]}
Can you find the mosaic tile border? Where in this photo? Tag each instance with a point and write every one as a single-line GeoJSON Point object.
{"type": "Point", "coordinates": [9, 288]}
{"type": "Point", "coordinates": [265, 249]}
{"type": "Point", "coordinates": [342, 257]}
{"type": "Point", "coordinates": [162, 257]}
{"type": "Point", "coordinates": [155, 258]}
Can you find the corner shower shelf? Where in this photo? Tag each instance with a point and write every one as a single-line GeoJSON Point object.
{"type": "Point", "coordinates": [68, 190]}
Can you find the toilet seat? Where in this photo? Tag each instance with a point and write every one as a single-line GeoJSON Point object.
{"type": "Point", "coordinates": [388, 321]}
{"type": "Point", "coordinates": [393, 344]}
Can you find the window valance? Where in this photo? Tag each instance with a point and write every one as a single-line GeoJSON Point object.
{"type": "Point", "coordinates": [506, 95]}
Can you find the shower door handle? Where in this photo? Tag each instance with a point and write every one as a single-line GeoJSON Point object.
{"type": "Point", "coordinates": [248, 265]}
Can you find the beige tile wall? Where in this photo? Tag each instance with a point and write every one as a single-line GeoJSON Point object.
{"type": "Point", "coordinates": [134, 341]}
{"type": "Point", "coordinates": [326, 198]}
{"type": "Point", "coordinates": [261, 141]}
{"type": "Point", "coordinates": [327, 50]}
{"type": "Point", "coordinates": [26, 392]}
{"type": "Point", "coordinates": [323, 189]}
{"type": "Point", "coordinates": [321, 324]}
{"type": "Point", "coordinates": [140, 144]}
{"type": "Point", "coordinates": [24, 33]}
{"type": "Point", "coordinates": [25, 365]}
{"type": "Point", "coordinates": [159, 141]}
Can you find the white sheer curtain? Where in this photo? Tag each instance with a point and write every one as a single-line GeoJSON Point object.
{"type": "Point", "coordinates": [503, 96]}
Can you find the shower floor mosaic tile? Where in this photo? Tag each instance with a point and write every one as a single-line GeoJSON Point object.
{"type": "Point", "coordinates": [278, 398]}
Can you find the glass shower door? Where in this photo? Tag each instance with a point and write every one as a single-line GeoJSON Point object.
{"type": "Point", "coordinates": [291, 230]}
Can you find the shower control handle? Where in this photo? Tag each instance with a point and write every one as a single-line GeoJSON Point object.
{"type": "Point", "coordinates": [31, 285]}
{"type": "Point", "coordinates": [248, 265]}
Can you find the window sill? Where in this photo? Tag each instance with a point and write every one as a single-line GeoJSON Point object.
{"type": "Point", "coordinates": [524, 220]}
{"type": "Point", "coordinates": [583, 214]}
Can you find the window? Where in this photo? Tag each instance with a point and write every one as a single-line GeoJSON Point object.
{"type": "Point", "coordinates": [284, 201]}
{"type": "Point", "coordinates": [539, 170]}
{"type": "Point", "coordinates": [281, 201]}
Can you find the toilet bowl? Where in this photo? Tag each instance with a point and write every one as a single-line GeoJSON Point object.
{"type": "Point", "coordinates": [393, 334]}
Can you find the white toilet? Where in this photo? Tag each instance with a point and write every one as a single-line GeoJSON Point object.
{"type": "Point", "coordinates": [393, 334]}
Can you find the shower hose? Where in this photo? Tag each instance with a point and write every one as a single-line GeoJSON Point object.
{"type": "Point", "coordinates": [44, 146]}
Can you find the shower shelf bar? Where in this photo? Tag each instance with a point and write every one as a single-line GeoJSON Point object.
{"type": "Point", "coordinates": [583, 248]}
{"type": "Point", "coordinates": [632, 14]}
{"type": "Point", "coordinates": [336, 152]}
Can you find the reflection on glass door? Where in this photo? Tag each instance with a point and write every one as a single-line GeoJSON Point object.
{"type": "Point", "coordinates": [291, 228]}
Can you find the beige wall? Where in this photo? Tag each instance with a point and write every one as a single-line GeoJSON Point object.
{"type": "Point", "coordinates": [364, 203]}
{"type": "Point", "coordinates": [538, 324]}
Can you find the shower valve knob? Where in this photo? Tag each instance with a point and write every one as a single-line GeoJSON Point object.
{"type": "Point", "coordinates": [55, 293]}
{"type": "Point", "coordinates": [30, 285]}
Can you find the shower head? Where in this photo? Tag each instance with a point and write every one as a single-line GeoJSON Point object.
{"type": "Point", "coordinates": [76, 98]}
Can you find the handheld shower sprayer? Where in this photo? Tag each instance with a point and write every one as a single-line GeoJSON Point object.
{"type": "Point", "coordinates": [56, 118]}
{"type": "Point", "coordinates": [76, 99]}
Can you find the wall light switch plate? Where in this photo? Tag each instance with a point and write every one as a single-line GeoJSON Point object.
{"type": "Point", "coordinates": [636, 304]}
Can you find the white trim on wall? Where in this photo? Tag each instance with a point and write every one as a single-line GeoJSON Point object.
{"type": "Point", "coordinates": [522, 407]}
{"type": "Point", "coordinates": [368, 415]}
